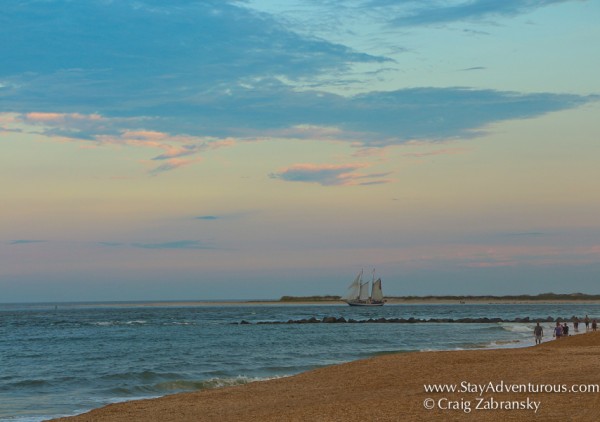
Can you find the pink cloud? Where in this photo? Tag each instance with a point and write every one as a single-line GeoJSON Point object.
{"type": "Point", "coordinates": [172, 164]}
{"type": "Point", "coordinates": [329, 174]}
{"type": "Point", "coordinates": [8, 118]}
{"type": "Point", "coordinates": [41, 117]}
{"type": "Point", "coordinates": [93, 130]}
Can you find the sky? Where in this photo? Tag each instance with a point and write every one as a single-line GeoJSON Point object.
{"type": "Point", "coordinates": [215, 149]}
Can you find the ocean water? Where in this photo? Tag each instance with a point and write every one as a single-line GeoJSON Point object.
{"type": "Point", "coordinates": [64, 359]}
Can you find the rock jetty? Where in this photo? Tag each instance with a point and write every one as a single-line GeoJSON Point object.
{"type": "Point", "coordinates": [411, 320]}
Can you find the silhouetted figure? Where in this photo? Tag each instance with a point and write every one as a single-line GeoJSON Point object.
{"type": "Point", "coordinates": [538, 332]}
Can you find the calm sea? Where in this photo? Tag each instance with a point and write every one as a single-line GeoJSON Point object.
{"type": "Point", "coordinates": [65, 359]}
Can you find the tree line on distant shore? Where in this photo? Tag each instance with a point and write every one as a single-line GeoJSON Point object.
{"type": "Point", "coordinates": [309, 298]}
{"type": "Point", "coordinates": [540, 297]}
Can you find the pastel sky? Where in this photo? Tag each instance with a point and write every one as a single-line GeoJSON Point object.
{"type": "Point", "coordinates": [214, 149]}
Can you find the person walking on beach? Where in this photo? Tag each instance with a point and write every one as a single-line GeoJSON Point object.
{"type": "Point", "coordinates": [576, 324]}
{"type": "Point", "coordinates": [558, 331]}
{"type": "Point", "coordinates": [594, 325]}
{"type": "Point", "coordinates": [538, 332]}
{"type": "Point", "coordinates": [587, 323]}
{"type": "Point", "coordinates": [565, 330]}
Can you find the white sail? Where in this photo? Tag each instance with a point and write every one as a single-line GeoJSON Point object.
{"type": "Point", "coordinates": [358, 292]}
{"type": "Point", "coordinates": [377, 293]}
{"type": "Point", "coordinates": [354, 288]}
{"type": "Point", "coordinates": [364, 291]}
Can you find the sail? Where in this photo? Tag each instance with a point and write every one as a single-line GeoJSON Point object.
{"type": "Point", "coordinates": [354, 288]}
{"type": "Point", "coordinates": [377, 293]}
{"type": "Point", "coordinates": [364, 291]}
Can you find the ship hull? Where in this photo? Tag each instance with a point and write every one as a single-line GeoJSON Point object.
{"type": "Point", "coordinates": [364, 303]}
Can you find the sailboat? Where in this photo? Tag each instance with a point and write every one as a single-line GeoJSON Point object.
{"type": "Point", "coordinates": [358, 292]}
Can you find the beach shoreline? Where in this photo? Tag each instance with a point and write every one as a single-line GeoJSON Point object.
{"type": "Point", "coordinates": [391, 387]}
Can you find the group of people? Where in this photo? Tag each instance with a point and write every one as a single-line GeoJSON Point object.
{"type": "Point", "coordinates": [563, 330]}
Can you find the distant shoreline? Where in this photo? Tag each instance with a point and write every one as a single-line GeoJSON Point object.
{"type": "Point", "coordinates": [300, 301]}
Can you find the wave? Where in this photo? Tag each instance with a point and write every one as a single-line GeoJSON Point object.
{"type": "Point", "coordinates": [431, 349]}
{"type": "Point", "coordinates": [385, 352]}
{"type": "Point", "coordinates": [522, 328]}
{"type": "Point", "coordinates": [139, 322]}
{"type": "Point", "coordinates": [140, 376]}
{"type": "Point", "coordinates": [33, 418]}
{"type": "Point", "coordinates": [179, 385]}
{"type": "Point", "coordinates": [111, 323]}
{"type": "Point", "coordinates": [25, 384]}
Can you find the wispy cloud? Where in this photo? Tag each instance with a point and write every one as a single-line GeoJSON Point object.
{"type": "Point", "coordinates": [436, 12]}
{"type": "Point", "coordinates": [25, 241]}
{"type": "Point", "coordinates": [96, 130]}
{"type": "Point", "coordinates": [208, 217]}
{"type": "Point", "coordinates": [179, 244]}
{"type": "Point", "coordinates": [470, 69]}
{"type": "Point", "coordinates": [329, 174]}
{"type": "Point", "coordinates": [172, 164]}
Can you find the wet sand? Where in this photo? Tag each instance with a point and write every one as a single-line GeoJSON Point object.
{"type": "Point", "coordinates": [391, 388]}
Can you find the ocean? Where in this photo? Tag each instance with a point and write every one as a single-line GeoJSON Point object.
{"type": "Point", "coordinates": [64, 359]}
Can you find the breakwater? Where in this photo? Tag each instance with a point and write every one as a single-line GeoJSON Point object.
{"type": "Point", "coordinates": [342, 320]}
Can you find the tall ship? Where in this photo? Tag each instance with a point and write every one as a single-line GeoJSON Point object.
{"type": "Point", "coordinates": [358, 292]}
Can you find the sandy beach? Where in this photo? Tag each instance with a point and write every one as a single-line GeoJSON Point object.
{"type": "Point", "coordinates": [391, 388]}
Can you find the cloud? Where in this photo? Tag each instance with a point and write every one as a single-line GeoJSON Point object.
{"type": "Point", "coordinates": [171, 164]}
{"type": "Point", "coordinates": [96, 130]}
{"type": "Point", "coordinates": [115, 56]}
{"type": "Point", "coordinates": [25, 241]}
{"type": "Point", "coordinates": [470, 69]}
{"type": "Point", "coordinates": [186, 77]}
{"type": "Point", "coordinates": [214, 69]}
{"type": "Point", "coordinates": [371, 120]}
{"type": "Point", "coordinates": [329, 174]}
{"type": "Point", "coordinates": [342, 15]}
{"type": "Point", "coordinates": [179, 244]}
{"type": "Point", "coordinates": [436, 12]}
{"type": "Point", "coordinates": [208, 217]}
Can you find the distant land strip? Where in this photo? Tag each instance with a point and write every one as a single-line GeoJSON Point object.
{"type": "Point", "coordinates": [326, 298]}
{"type": "Point", "coordinates": [539, 297]}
